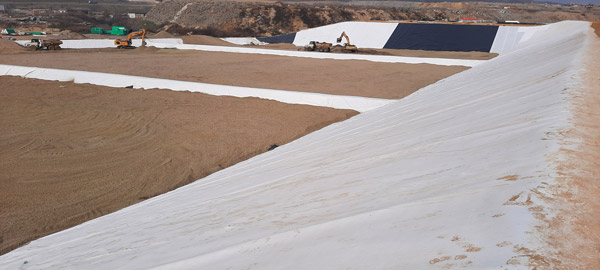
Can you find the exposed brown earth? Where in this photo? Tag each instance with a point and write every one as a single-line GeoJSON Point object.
{"type": "Point", "coordinates": [9, 46]}
{"type": "Point", "coordinates": [74, 152]}
{"type": "Point", "coordinates": [339, 77]}
{"type": "Point", "coordinates": [578, 189]}
{"type": "Point", "coordinates": [208, 40]}
{"type": "Point", "coordinates": [572, 235]}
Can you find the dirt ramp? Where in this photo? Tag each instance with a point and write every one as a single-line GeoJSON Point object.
{"type": "Point", "coordinates": [205, 40]}
{"type": "Point", "coordinates": [161, 34]}
{"type": "Point", "coordinates": [10, 46]}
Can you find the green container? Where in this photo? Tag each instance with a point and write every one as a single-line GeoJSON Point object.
{"type": "Point", "coordinates": [96, 30]}
{"type": "Point", "coordinates": [119, 30]}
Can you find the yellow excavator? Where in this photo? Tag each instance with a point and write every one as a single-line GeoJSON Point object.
{"type": "Point", "coordinates": [347, 46]}
{"type": "Point", "coordinates": [126, 43]}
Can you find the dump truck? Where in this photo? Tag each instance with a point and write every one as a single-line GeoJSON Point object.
{"type": "Point", "coordinates": [40, 44]}
{"type": "Point", "coordinates": [318, 46]}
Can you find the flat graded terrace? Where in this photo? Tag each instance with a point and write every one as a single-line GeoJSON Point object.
{"type": "Point", "coordinates": [339, 77]}
{"type": "Point", "coordinates": [73, 152]}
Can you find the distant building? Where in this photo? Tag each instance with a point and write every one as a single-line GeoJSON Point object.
{"type": "Point", "coordinates": [133, 15]}
{"type": "Point", "coordinates": [8, 31]}
{"type": "Point", "coordinates": [39, 12]}
{"type": "Point", "coordinates": [2, 8]}
{"type": "Point", "coordinates": [471, 20]}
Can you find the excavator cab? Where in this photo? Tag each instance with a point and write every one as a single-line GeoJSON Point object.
{"type": "Point", "coordinates": [126, 43]}
{"type": "Point", "coordinates": [347, 46]}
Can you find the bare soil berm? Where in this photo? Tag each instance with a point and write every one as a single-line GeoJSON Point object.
{"type": "Point", "coordinates": [337, 77]}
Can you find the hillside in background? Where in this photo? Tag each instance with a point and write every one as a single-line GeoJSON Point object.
{"type": "Point", "coordinates": [234, 18]}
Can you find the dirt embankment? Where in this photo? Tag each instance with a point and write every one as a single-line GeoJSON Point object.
{"type": "Point", "coordinates": [233, 18]}
{"type": "Point", "coordinates": [73, 152]}
{"type": "Point", "coordinates": [9, 46]}
{"type": "Point", "coordinates": [338, 77]}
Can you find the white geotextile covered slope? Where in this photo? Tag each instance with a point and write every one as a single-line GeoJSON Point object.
{"type": "Point", "coordinates": [509, 37]}
{"type": "Point", "coordinates": [400, 187]}
{"type": "Point", "coordinates": [362, 34]}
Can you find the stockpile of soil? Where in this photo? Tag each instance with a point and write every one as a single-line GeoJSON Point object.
{"type": "Point", "coordinates": [68, 35]}
{"type": "Point", "coordinates": [206, 40]}
{"type": "Point", "coordinates": [10, 46]}
{"type": "Point", "coordinates": [73, 152]}
{"type": "Point", "coordinates": [161, 34]}
{"type": "Point", "coordinates": [596, 27]}
{"type": "Point", "coordinates": [338, 77]}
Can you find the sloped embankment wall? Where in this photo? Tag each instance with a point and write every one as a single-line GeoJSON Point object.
{"type": "Point", "coordinates": [416, 36]}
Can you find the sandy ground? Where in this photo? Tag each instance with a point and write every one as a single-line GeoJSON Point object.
{"type": "Point", "coordinates": [208, 40]}
{"type": "Point", "coordinates": [74, 152]}
{"type": "Point", "coordinates": [7, 45]}
{"type": "Point", "coordinates": [339, 77]}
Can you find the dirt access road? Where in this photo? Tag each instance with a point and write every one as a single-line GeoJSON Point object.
{"type": "Point", "coordinates": [73, 152]}
{"type": "Point", "coordinates": [339, 77]}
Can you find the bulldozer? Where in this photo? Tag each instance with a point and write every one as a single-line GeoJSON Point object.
{"type": "Point", "coordinates": [347, 46]}
{"type": "Point", "coordinates": [126, 43]}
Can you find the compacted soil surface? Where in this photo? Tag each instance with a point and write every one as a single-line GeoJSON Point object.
{"type": "Point", "coordinates": [208, 40]}
{"type": "Point", "coordinates": [73, 152]}
{"type": "Point", "coordinates": [338, 77]}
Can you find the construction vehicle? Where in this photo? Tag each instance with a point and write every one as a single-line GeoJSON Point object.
{"type": "Point", "coordinates": [318, 46]}
{"type": "Point", "coordinates": [40, 44]}
{"type": "Point", "coordinates": [347, 46]}
{"type": "Point", "coordinates": [126, 43]}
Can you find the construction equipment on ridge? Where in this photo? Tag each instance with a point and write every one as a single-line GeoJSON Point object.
{"type": "Point", "coordinates": [126, 43]}
{"type": "Point", "coordinates": [347, 46]}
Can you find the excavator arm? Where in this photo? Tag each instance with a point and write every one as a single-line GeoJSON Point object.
{"type": "Point", "coordinates": [143, 33]}
{"type": "Point", "coordinates": [347, 46]}
{"type": "Point", "coordinates": [343, 35]}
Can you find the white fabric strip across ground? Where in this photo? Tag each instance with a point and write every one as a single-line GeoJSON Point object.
{"type": "Point", "coordinates": [360, 104]}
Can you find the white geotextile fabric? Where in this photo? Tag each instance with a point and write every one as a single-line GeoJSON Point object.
{"type": "Point", "coordinates": [362, 34]}
{"type": "Point", "coordinates": [360, 104]}
{"type": "Point", "coordinates": [244, 41]}
{"type": "Point", "coordinates": [411, 185]}
{"type": "Point", "coordinates": [509, 37]}
{"type": "Point", "coordinates": [106, 43]}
